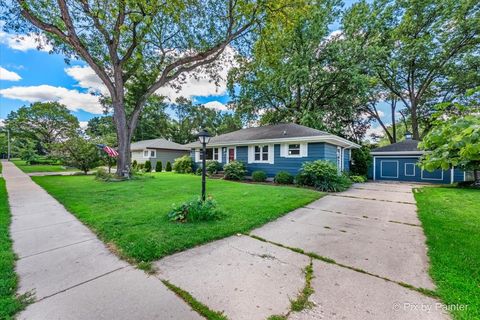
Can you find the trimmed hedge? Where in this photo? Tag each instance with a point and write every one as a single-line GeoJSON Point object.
{"type": "Point", "coordinates": [259, 176]}
{"type": "Point", "coordinates": [283, 177]}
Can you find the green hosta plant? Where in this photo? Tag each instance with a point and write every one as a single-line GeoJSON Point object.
{"type": "Point", "coordinates": [195, 210]}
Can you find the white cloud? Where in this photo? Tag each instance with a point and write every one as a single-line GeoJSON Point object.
{"type": "Point", "coordinates": [24, 42]}
{"type": "Point", "coordinates": [87, 79]}
{"type": "Point", "coordinates": [374, 132]}
{"type": "Point", "coordinates": [73, 99]}
{"type": "Point", "coordinates": [83, 124]}
{"type": "Point", "coordinates": [8, 75]}
{"type": "Point", "coordinates": [201, 85]}
{"type": "Point", "coordinates": [217, 105]}
{"type": "Point", "coordinates": [2, 122]}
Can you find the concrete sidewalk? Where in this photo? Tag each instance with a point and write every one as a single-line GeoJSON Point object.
{"type": "Point", "coordinates": [71, 273]}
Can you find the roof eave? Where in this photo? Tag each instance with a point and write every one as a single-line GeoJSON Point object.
{"type": "Point", "coordinates": [332, 139]}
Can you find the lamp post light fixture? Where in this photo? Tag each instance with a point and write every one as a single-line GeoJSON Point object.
{"type": "Point", "coordinates": [204, 139]}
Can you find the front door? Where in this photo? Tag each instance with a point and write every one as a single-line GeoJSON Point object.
{"type": "Point", "coordinates": [231, 154]}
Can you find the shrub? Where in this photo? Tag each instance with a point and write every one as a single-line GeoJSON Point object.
{"type": "Point", "coordinates": [322, 175]}
{"type": "Point", "coordinates": [148, 166]}
{"type": "Point", "coordinates": [140, 166]}
{"type": "Point", "coordinates": [158, 166]}
{"type": "Point", "coordinates": [183, 164]}
{"type": "Point", "coordinates": [213, 166]}
{"type": "Point", "coordinates": [134, 164]}
{"type": "Point", "coordinates": [195, 210]}
{"type": "Point", "coordinates": [102, 174]}
{"type": "Point", "coordinates": [168, 166]}
{"type": "Point", "coordinates": [259, 176]}
{"type": "Point", "coordinates": [234, 170]}
{"type": "Point", "coordinates": [361, 160]}
{"type": "Point", "coordinates": [198, 172]}
{"type": "Point", "coordinates": [283, 177]}
{"type": "Point", "coordinates": [358, 179]}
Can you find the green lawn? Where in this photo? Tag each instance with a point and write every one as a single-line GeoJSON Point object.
{"type": "Point", "coordinates": [132, 215]}
{"type": "Point", "coordinates": [9, 304]}
{"type": "Point", "coordinates": [22, 165]}
{"type": "Point", "coordinates": [451, 220]}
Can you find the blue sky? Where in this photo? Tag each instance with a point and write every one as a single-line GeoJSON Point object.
{"type": "Point", "coordinates": [28, 75]}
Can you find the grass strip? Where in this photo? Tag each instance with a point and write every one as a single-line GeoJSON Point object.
{"type": "Point", "coordinates": [196, 305]}
{"type": "Point", "coordinates": [10, 303]}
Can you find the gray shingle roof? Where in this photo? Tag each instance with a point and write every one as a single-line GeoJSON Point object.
{"type": "Point", "coordinates": [157, 144]}
{"type": "Point", "coordinates": [275, 131]}
{"type": "Point", "coordinates": [402, 146]}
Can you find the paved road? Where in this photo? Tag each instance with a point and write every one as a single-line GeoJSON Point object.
{"type": "Point", "coordinates": [71, 273]}
{"type": "Point", "coordinates": [371, 231]}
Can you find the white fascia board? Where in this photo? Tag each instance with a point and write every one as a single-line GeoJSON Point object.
{"type": "Point", "coordinates": [332, 139]}
{"type": "Point", "coordinates": [395, 153]}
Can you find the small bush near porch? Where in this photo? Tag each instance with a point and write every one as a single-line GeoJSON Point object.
{"type": "Point", "coordinates": [133, 215]}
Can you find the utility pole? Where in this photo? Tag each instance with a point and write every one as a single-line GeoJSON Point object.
{"type": "Point", "coordinates": [8, 143]}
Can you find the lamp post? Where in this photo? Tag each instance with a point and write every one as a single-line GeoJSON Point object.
{"type": "Point", "coordinates": [204, 138]}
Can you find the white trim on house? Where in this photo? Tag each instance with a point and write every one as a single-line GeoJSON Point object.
{"type": "Point", "coordinates": [452, 175]}
{"type": "Point", "coordinates": [285, 147]}
{"type": "Point", "coordinates": [374, 168]}
{"type": "Point", "coordinates": [381, 168]}
{"type": "Point", "coordinates": [270, 154]}
{"type": "Point", "coordinates": [332, 139]}
{"type": "Point", "coordinates": [394, 153]}
{"type": "Point", "coordinates": [219, 150]}
{"type": "Point", "coordinates": [149, 153]}
{"type": "Point", "coordinates": [421, 176]}
{"type": "Point", "coordinates": [405, 169]}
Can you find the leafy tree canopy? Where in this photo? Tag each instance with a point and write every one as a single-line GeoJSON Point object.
{"type": "Point", "coordinates": [42, 123]}
{"type": "Point", "coordinates": [419, 53]}
{"type": "Point", "coordinates": [301, 73]}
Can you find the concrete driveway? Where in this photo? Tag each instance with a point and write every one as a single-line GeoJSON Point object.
{"type": "Point", "coordinates": [370, 235]}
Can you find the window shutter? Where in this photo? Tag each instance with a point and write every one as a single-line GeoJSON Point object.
{"type": "Point", "coordinates": [304, 149]}
{"type": "Point", "coordinates": [251, 155]}
{"type": "Point", "coordinates": [283, 150]}
{"type": "Point", "coordinates": [271, 153]}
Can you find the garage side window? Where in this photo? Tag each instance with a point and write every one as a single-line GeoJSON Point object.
{"type": "Point", "coordinates": [409, 169]}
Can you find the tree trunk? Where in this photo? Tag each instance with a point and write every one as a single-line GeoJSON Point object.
{"type": "Point", "coordinates": [413, 115]}
{"type": "Point", "coordinates": [476, 176]}
{"type": "Point", "coordinates": [394, 122]}
{"type": "Point", "coordinates": [123, 138]}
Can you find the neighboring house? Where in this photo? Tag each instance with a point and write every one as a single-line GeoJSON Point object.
{"type": "Point", "coordinates": [398, 162]}
{"type": "Point", "coordinates": [157, 150]}
{"type": "Point", "coordinates": [274, 148]}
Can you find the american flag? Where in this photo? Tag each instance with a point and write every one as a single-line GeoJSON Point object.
{"type": "Point", "coordinates": [110, 151]}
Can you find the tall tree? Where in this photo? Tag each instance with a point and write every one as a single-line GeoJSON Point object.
{"type": "Point", "coordinates": [189, 119]}
{"type": "Point", "coordinates": [137, 47]}
{"type": "Point", "coordinates": [301, 73]}
{"type": "Point", "coordinates": [42, 123]}
{"type": "Point", "coordinates": [415, 49]}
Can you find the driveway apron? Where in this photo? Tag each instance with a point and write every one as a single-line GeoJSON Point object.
{"type": "Point", "coordinates": [370, 237]}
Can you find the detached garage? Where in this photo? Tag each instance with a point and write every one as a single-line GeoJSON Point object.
{"type": "Point", "coordinates": [398, 162]}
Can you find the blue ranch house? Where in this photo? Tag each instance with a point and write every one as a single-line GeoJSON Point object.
{"type": "Point", "coordinates": [399, 162]}
{"type": "Point", "coordinates": [274, 148]}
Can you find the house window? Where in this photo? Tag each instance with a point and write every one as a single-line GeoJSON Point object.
{"type": "Point", "coordinates": [294, 149]}
{"type": "Point", "coordinates": [210, 154]}
{"type": "Point", "coordinates": [261, 153]}
{"type": "Point", "coordinates": [149, 154]}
